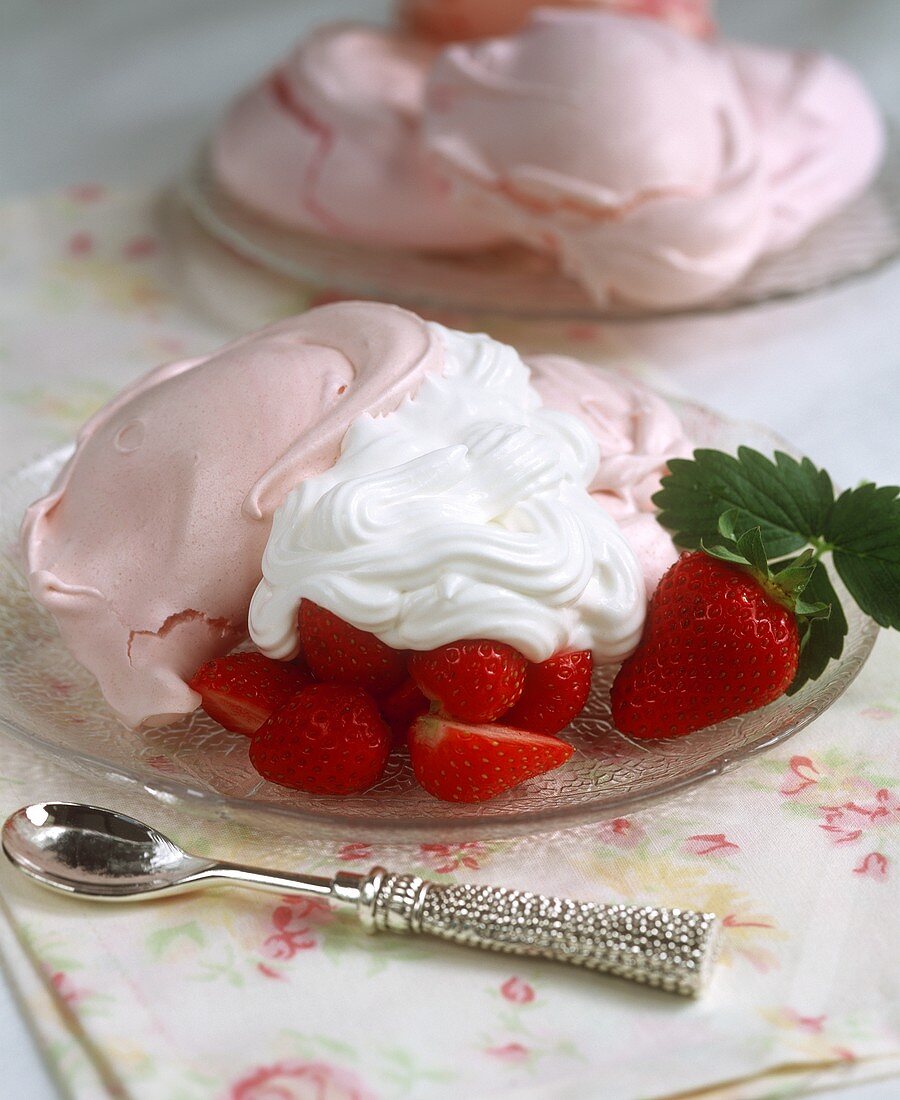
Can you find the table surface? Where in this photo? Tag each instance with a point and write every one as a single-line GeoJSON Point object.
{"type": "Point", "coordinates": [143, 83]}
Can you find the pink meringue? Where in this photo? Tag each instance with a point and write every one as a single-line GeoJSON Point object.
{"type": "Point", "coordinates": [637, 433]}
{"type": "Point", "coordinates": [821, 138]}
{"type": "Point", "coordinates": [147, 549]}
{"type": "Point", "coordinates": [329, 142]}
{"type": "Point", "coordinates": [459, 20]}
{"type": "Point", "coordinates": [657, 168]}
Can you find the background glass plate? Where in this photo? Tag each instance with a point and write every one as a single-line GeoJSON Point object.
{"type": "Point", "coordinates": [515, 281]}
{"type": "Point", "coordinates": [52, 704]}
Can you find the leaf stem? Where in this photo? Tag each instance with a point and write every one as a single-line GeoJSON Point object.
{"type": "Point", "coordinates": [820, 547]}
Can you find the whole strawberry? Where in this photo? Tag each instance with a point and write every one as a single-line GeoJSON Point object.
{"type": "Point", "coordinates": [474, 681]}
{"type": "Point", "coordinates": [328, 739]}
{"type": "Point", "coordinates": [241, 691]}
{"type": "Point", "coordinates": [343, 654]}
{"type": "Point", "coordinates": [721, 639]}
{"type": "Point", "coordinates": [555, 692]}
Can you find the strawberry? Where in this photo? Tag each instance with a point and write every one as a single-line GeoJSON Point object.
{"type": "Point", "coordinates": [242, 690]}
{"type": "Point", "coordinates": [459, 762]}
{"type": "Point", "coordinates": [721, 639]}
{"type": "Point", "coordinates": [472, 681]}
{"type": "Point", "coordinates": [327, 739]}
{"type": "Point", "coordinates": [339, 653]}
{"type": "Point", "coordinates": [555, 692]}
{"type": "Point", "coordinates": [402, 706]}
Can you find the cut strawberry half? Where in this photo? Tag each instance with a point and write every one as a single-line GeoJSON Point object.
{"type": "Point", "coordinates": [241, 691]}
{"type": "Point", "coordinates": [458, 762]}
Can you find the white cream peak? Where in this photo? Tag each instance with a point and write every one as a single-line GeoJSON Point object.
{"type": "Point", "coordinates": [465, 513]}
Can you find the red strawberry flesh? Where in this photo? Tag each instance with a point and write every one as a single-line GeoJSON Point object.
{"type": "Point", "coordinates": [459, 762]}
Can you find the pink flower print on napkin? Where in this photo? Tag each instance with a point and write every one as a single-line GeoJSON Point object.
{"type": "Point", "coordinates": [848, 821]}
{"type": "Point", "coordinates": [447, 858]}
{"type": "Point", "coordinates": [509, 1052]}
{"type": "Point", "coordinates": [352, 853]}
{"type": "Point", "coordinates": [802, 773]}
{"type": "Point", "coordinates": [140, 247]}
{"type": "Point", "coordinates": [707, 844]}
{"type": "Point", "coordinates": [294, 924]}
{"type": "Point", "coordinates": [313, 910]}
{"type": "Point", "coordinates": [517, 991]}
{"type": "Point", "coordinates": [875, 866]}
{"type": "Point", "coordinates": [290, 936]}
{"type": "Point", "coordinates": [65, 989]}
{"type": "Point", "coordinates": [80, 244]}
{"type": "Point", "coordinates": [299, 1081]}
{"type": "Point", "coordinates": [621, 832]}
{"type": "Point", "coordinates": [812, 1024]}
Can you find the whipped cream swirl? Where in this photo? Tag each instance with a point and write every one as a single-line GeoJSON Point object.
{"type": "Point", "coordinates": [465, 513]}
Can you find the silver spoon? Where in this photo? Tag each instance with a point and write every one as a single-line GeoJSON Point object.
{"type": "Point", "coordinates": [89, 852]}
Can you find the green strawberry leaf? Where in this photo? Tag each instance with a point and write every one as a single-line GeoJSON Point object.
{"type": "Point", "coordinates": [793, 578]}
{"type": "Point", "coordinates": [803, 608]}
{"type": "Point", "coordinates": [863, 530]}
{"type": "Point", "coordinates": [787, 499]}
{"type": "Point", "coordinates": [751, 545]}
{"type": "Point", "coordinates": [821, 638]}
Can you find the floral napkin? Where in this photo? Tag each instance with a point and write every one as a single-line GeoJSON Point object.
{"type": "Point", "coordinates": [252, 998]}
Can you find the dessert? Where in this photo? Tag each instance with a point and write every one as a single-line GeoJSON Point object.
{"type": "Point", "coordinates": [653, 166]}
{"type": "Point", "coordinates": [432, 545]}
{"type": "Point", "coordinates": [744, 627]}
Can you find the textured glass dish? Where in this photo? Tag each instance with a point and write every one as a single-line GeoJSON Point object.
{"type": "Point", "coordinates": [514, 281]}
{"type": "Point", "coordinates": [48, 701]}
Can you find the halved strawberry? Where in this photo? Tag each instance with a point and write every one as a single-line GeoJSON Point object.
{"type": "Point", "coordinates": [467, 763]}
{"type": "Point", "coordinates": [474, 681]}
{"type": "Point", "coordinates": [241, 691]}
{"type": "Point", "coordinates": [339, 653]}
{"type": "Point", "coordinates": [555, 692]}
{"type": "Point", "coordinates": [327, 739]}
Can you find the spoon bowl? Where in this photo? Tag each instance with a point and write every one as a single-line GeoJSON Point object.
{"type": "Point", "coordinates": [101, 853]}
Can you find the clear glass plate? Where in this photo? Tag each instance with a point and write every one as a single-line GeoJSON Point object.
{"type": "Point", "coordinates": [49, 702]}
{"type": "Point", "coordinates": [513, 281]}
